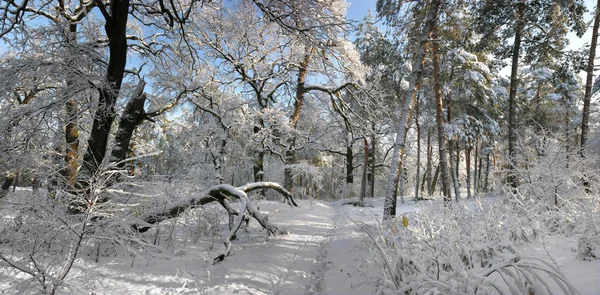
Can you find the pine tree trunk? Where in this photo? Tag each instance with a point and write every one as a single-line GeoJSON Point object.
{"type": "Point", "coordinates": [404, 113]}
{"type": "Point", "coordinates": [476, 168]}
{"type": "Point", "coordinates": [567, 137]}
{"type": "Point", "coordinates": [453, 170]}
{"type": "Point", "coordinates": [429, 162]}
{"type": "Point", "coordinates": [479, 179]}
{"type": "Point", "coordinates": [436, 177]}
{"type": "Point", "coordinates": [487, 172]}
{"type": "Point", "coordinates": [512, 96]}
{"type": "Point", "coordinates": [437, 90]}
{"type": "Point", "coordinates": [468, 166]}
{"type": "Point", "coordinates": [585, 115]}
{"type": "Point", "coordinates": [402, 182]}
{"type": "Point", "coordinates": [457, 165]}
{"type": "Point", "coordinates": [418, 173]}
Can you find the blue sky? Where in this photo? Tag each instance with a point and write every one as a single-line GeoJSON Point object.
{"type": "Point", "coordinates": [359, 8]}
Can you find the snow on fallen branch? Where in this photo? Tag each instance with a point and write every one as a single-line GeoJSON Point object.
{"type": "Point", "coordinates": [221, 193]}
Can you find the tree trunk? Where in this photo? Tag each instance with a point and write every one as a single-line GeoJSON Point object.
{"type": "Point", "coordinates": [585, 115]}
{"type": "Point", "coordinates": [71, 131]}
{"type": "Point", "coordinates": [487, 172]}
{"type": "Point", "coordinates": [457, 165]}
{"type": "Point", "coordinates": [402, 182]}
{"type": "Point", "coordinates": [371, 176]}
{"type": "Point", "coordinates": [512, 96]}
{"type": "Point", "coordinates": [131, 118]}
{"type": "Point", "coordinates": [290, 158]}
{"type": "Point", "coordinates": [476, 168]}
{"type": "Point", "coordinates": [436, 176]}
{"type": "Point", "coordinates": [115, 27]}
{"type": "Point", "coordinates": [453, 171]}
{"type": "Point", "coordinates": [468, 166]}
{"type": "Point", "coordinates": [290, 153]}
{"type": "Point", "coordinates": [479, 179]}
{"type": "Point", "coordinates": [258, 168]}
{"type": "Point", "coordinates": [418, 173]}
{"type": "Point", "coordinates": [363, 183]}
{"type": "Point", "coordinates": [349, 164]}
{"type": "Point", "coordinates": [6, 185]}
{"type": "Point", "coordinates": [389, 207]}
{"type": "Point", "coordinates": [429, 161]}
{"type": "Point", "coordinates": [439, 110]}
{"type": "Point", "coordinates": [567, 136]}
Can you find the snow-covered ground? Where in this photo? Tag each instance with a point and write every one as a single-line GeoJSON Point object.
{"type": "Point", "coordinates": [325, 253]}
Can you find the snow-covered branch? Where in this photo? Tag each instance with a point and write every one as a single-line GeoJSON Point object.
{"type": "Point", "coordinates": [217, 193]}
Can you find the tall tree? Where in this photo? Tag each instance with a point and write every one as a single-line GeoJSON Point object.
{"type": "Point", "coordinates": [585, 113]}
{"type": "Point", "coordinates": [538, 29]}
{"type": "Point", "coordinates": [391, 9]}
{"type": "Point", "coordinates": [437, 93]}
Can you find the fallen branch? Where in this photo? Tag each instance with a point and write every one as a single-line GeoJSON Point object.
{"type": "Point", "coordinates": [222, 193]}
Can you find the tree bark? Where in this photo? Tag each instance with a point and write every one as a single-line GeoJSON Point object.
{"type": "Point", "coordinates": [453, 171]}
{"type": "Point", "coordinates": [131, 118]}
{"type": "Point", "coordinates": [402, 181]}
{"type": "Point", "coordinates": [585, 115]}
{"type": "Point", "coordinates": [487, 172]}
{"type": "Point", "coordinates": [479, 179]}
{"type": "Point", "coordinates": [349, 163]}
{"type": "Point", "coordinates": [363, 183]}
{"type": "Point", "coordinates": [290, 153]}
{"type": "Point", "coordinates": [404, 113]}
{"type": "Point", "coordinates": [429, 161]}
{"type": "Point", "coordinates": [258, 168]}
{"type": "Point", "coordinates": [512, 96]}
{"type": "Point", "coordinates": [372, 162]}
{"type": "Point", "coordinates": [115, 27]}
{"type": "Point", "coordinates": [418, 173]}
{"type": "Point", "coordinates": [71, 131]}
{"type": "Point", "coordinates": [468, 166]}
{"type": "Point", "coordinates": [436, 176]}
{"type": "Point", "coordinates": [476, 168]}
{"type": "Point", "coordinates": [437, 90]}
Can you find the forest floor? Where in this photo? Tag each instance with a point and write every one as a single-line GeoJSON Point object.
{"type": "Point", "coordinates": [324, 253]}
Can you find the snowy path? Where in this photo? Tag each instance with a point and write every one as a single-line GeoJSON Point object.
{"type": "Point", "coordinates": [289, 264]}
{"type": "Point", "coordinates": [319, 256]}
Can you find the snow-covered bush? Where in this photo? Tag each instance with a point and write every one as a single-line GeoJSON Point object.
{"type": "Point", "coordinates": [202, 223]}
{"type": "Point", "coordinates": [39, 244]}
{"type": "Point", "coordinates": [469, 248]}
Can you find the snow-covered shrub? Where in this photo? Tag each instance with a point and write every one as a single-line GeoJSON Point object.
{"type": "Point", "coordinates": [202, 223]}
{"type": "Point", "coordinates": [309, 177]}
{"type": "Point", "coordinates": [468, 248]}
{"type": "Point", "coordinates": [588, 247]}
{"type": "Point", "coordinates": [39, 243]}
